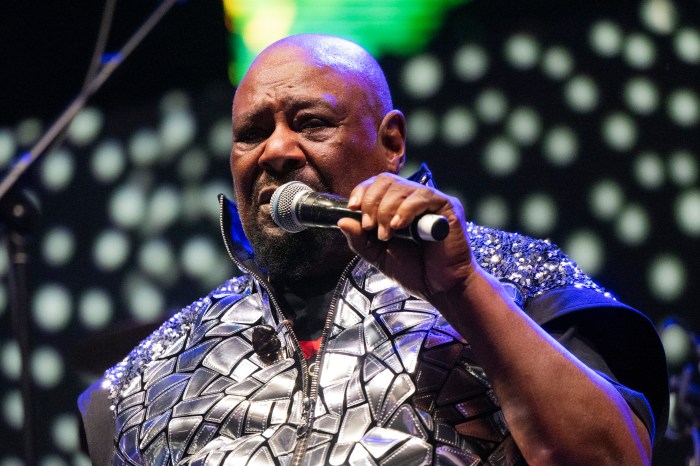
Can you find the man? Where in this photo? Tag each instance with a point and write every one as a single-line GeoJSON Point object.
{"type": "Point", "coordinates": [484, 348]}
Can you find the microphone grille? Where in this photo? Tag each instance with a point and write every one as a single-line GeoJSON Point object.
{"type": "Point", "coordinates": [282, 206]}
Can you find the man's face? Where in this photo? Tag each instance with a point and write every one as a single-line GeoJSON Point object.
{"type": "Point", "coordinates": [296, 120]}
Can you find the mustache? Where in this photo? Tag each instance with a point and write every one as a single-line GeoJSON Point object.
{"type": "Point", "coordinates": [267, 181]}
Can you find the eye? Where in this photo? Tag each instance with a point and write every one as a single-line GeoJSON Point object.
{"type": "Point", "coordinates": [249, 135]}
{"type": "Point", "coordinates": [312, 123]}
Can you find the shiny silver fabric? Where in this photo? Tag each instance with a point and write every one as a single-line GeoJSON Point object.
{"type": "Point", "coordinates": [397, 385]}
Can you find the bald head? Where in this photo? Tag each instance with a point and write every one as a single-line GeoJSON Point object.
{"type": "Point", "coordinates": [344, 57]}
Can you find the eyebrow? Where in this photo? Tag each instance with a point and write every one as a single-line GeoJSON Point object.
{"type": "Point", "coordinates": [295, 103]}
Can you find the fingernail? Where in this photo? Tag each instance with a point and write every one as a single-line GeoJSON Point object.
{"type": "Point", "coordinates": [366, 221]}
{"type": "Point", "coordinates": [396, 221]}
{"type": "Point", "coordinates": [352, 201]}
{"type": "Point", "coordinates": [381, 233]}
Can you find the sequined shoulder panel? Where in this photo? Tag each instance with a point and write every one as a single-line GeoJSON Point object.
{"type": "Point", "coordinates": [160, 340]}
{"type": "Point", "coordinates": [529, 265]}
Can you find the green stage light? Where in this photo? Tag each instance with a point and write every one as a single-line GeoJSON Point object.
{"type": "Point", "coordinates": [398, 27]}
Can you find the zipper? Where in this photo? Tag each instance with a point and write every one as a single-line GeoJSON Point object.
{"type": "Point", "coordinates": [309, 378]}
{"type": "Point", "coordinates": [297, 347]}
{"type": "Point", "coordinates": [302, 437]}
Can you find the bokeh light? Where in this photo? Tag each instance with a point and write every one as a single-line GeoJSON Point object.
{"type": "Point", "coordinates": [422, 76]}
{"type": "Point", "coordinates": [422, 127]}
{"type": "Point", "coordinates": [458, 126]}
{"type": "Point", "coordinates": [470, 62]}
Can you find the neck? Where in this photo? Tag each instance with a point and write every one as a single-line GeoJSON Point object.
{"type": "Point", "coordinates": [310, 285]}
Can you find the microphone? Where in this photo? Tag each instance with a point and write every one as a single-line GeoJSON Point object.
{"type": "Point", "coordinates": [294, 207]}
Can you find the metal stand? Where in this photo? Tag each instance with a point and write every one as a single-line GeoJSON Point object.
{"type": "Point", "coordinates": [19, 217]}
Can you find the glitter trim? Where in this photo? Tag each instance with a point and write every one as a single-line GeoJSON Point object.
{"type": "Point", "coordinates": [116, 379]}
{"type": "Point", "coordinates": [533, 266]}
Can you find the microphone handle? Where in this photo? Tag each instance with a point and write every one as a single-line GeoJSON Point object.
{"type": "Point", "coordinates": [322, 210]}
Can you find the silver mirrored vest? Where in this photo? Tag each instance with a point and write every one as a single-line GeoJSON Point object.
{"type": "Point", "coordinates": [394, 383]}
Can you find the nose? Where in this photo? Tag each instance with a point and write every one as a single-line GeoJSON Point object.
{"type": "Point", "coordinates": [282, 152]}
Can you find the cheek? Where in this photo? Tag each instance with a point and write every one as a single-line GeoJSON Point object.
{"type": "Point", "coordinates": [241, 173]}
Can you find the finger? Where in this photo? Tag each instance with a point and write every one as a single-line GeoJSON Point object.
{"type": "Point", "coordinates": [360, 241]}
{"type": "Point", "coordinates": [418, 202]}
{"type": "Point", "coordinates": [372, 197]}
{"type": "Point", "coordinates": [393, 198]}
{"type": "Point", "coordinates": [358, 193]}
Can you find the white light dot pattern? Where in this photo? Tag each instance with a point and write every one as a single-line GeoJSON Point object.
{"type": "Point", "coordinates": [606, 199]}
{"type": "Point", "coordinates": [95, 308]}
{"type": "Point", "coordinates": [619, 132]}
{"type": "Point", "coordinates": [65, 433]}
{"type": "Point", "coordinates": [176, 100]}
{"type": "Point", "coordinates": [57, 170]}
{"type": "Point", "coordinates": [659, 16]}
{"type": "Point", "coordinates": [145, 301]}
{"type": "Point", "coordinates": [522, 51]}
{"type": "Point", "coordinates": [12, 409]}
{"type": "Point", "coordinates": [157, 259]}
{"type": "Point", "coordinates": [491, 106]}
{"type": "Point", "coordinates": [492, 211]}
{"type": "Point", "coordinates": [470, 62]}
{"type": "Point", "coordinates": [52, 460]}
{"type": "Point", "coordinates": [687, 45]}
{"type": "Point", "coordinates": [683, 107]}
{"type": "Point", "coordinates": [633, 225]}
{"type": "Point", "coordinates": [219, 140]}
{"type": "Point", "coordinates": [145, 147]}
{"type": "Point", "coordinates": [108, 161]}
{"type": "Point", "coordinates": [586, 249]}
{"type": "Point", "coordinates": [127, 206]}
{"type": "Point", "coordinates": [458, 126]}
{"type": "Point", "coordinates": [28, 131]}
{"type": "Point", "coordinates": [557, 63]}
{"type": "Point", "coordinates": [10, 360]}
{"type": "Point", "coordinates": [560, 146]}
{"type": "Point", "coordinates": [538, 214]}
{"type": "Point", "coordinates": [46, 367]}
{"type": "Point", "coordinates": [209, 198]}
{"type": "Point", "coordinates": [10, 461]}
{"type": "Point", "coordinates": [8, 147]}
{"type": "Point", "coordinates": [667, 277]}
{"type": "Point", "coordinates": [605, 38]}
{"type": "Point", "coordinates": [676, 343]}
{"type": "Point", "coordinates": [683, 168]}
{"type": "Point", "coordinates": [422, 76]}
{"type": "Point", "coordinates": [422, 127]}
{"type": "Point", "coordinates": [199, 256]}
{"type": "Point", "coordinates": [86, 126]}
{"type": "Point", "coordinates": [524, 126]}
{"type": "Point", "coordinates": [639, 51]}
{"type": "Point", "coordinates": [581, 93]}
{"type": "Point", "coordinates": [501, 157]}
{"type": "Point", "coordinates": [58, 246]}
{"type": "Point", "coordinates": [164, 209]}
{"type": "Point", "coordinates": [52, 307]}
{"type": "Point", "coordinates": [687, 212]}
{"type": "Point", "coordinates": [649, 170]}
{"type": "Point", "coordinates": [111, 250]}
{"type": "Point", "coordinates": [641, 95]}
{"type": "Point", "coordinates": [177, 130]}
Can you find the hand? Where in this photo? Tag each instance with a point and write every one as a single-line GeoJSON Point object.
{"type": "Point", "coordinates": [429, 270]}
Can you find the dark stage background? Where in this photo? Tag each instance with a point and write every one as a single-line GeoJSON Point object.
{"type": "Point", "coordinates": [573, 122]}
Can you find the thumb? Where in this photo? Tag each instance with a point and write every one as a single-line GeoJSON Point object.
{"type": "Point", "coordinates": [360, 241]}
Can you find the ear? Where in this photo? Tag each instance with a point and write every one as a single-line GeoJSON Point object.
{"type": "Point", "coordinates": [392, 138]}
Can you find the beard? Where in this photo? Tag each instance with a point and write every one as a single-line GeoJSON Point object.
{"type": "Point", "coordinates": [292, 256]}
